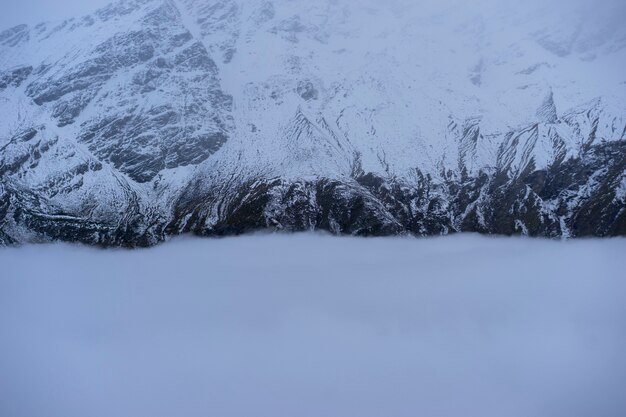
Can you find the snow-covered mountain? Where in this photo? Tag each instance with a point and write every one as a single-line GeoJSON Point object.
{"type": "Point", "coordinates": [151, 118]}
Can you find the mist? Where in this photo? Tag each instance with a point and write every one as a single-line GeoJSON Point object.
{"type": "Point", "coordinates": [308, 325]}
{"type": "Point", "coordinates": [36, 11]}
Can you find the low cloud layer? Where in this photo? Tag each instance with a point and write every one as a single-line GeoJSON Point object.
{"type": "Point", "coordinates": [315, 326]}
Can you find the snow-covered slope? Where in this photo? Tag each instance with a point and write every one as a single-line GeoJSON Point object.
{"type": "Point", "coordinates": [157, 117]}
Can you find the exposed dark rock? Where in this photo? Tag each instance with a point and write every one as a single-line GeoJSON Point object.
{"type": "Point", "coordinates": [14, 77]}
{"type": "Point", "coordinates": [307, 90]}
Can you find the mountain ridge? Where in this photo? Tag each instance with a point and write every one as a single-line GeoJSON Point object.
{"type": "Point", "coordinates": [151, 118]}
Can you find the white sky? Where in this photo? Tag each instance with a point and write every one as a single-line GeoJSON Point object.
{"type": "Point", "coordinates": [15, 12]}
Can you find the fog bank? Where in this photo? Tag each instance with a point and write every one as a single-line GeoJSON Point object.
{"type": "Point", "coordinates": [315, 326]}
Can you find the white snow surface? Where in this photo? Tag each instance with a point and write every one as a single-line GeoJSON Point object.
{"type": "Point", "coordinates": [395, 81]}
{"type": "Point", "coordinates": [308, 325]}
{"type": "Point", "coordinates": [394, 76]}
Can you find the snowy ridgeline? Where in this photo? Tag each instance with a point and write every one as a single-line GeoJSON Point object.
{"type": "Point", "coordinates": [315, 326]}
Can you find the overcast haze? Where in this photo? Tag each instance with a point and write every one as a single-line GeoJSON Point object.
{"type": "Point", "coordinates": [34, 11]}
{"type": "Point", "coordinates": [315, 326]}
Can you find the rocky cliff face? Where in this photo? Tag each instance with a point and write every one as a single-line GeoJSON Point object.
{"type": "Point", "coordinates": [151, 118]}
